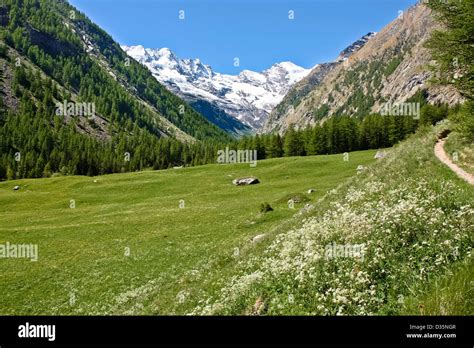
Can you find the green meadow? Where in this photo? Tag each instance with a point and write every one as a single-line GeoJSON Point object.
{"type": "Point", "coordinates": [144, 242]}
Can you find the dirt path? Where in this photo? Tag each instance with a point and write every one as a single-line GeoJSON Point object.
{"type": "Point", "coordinates": [443, 157]}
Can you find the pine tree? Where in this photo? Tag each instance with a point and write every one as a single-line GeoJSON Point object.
{"type": "Point", "coordinates": [310, 145]}
{"type": "Point", "coordinates": [319, 139]}
{"type": "Point", "coordinates": [259, 147]}
{"type": "Point", "coordinates": [10, 173]}
{"type": "Point", "coordinates": [452, 46]}
{"type": "Point", "coordinates": [276, 146]}
{"type": "Point", "coordinates": [293, 145]}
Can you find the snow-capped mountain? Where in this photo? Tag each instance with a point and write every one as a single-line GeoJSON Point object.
{"type": "Point", "coordinates": [233, 102]}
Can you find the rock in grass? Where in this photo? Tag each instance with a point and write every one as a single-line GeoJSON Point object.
{"type": "Point", "coordinates": [258, 238]}
{"type": "Point", "coordinates": [245, 181]}
{"type": "Point", "coordinates": [311, 190]}
{"type": "Point", "coordinates": [380, 155]}
{"type": "Point", "coordinates": [16, 188]}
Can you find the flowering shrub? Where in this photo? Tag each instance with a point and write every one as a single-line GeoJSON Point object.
{"type": "Point", "coordinates": [411, 215]}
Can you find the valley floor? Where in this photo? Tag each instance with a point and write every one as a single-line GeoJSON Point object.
{"type": "Point", "coordinates": [146, 242]}
{"type": "Point", "coordinates": [389, 240]}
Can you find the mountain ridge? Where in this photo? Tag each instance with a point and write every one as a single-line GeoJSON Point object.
{"type": "Point", "coordinates": [391, 67]}
{"type": "Point", "coordinates": [246, 97]}
{"type": "Point", "coordinates": [314, 78]}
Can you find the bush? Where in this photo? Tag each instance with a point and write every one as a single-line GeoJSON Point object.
{"type": "Point", "coordinates": [265, 207]}
{"type": "Point", "coordinates": [464, 120]}
{"type": "Point", "coordinates": [431, 114]}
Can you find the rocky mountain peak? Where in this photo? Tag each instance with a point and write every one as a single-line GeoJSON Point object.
{"type": "Point", "coordinates": [247, 97]}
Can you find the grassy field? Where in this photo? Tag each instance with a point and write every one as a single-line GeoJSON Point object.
{"type": "Point", "coordinates": [152, 242]}
{"type": "Point", "coordinates": [182, 241]}
{"type": "Point", "coordinates": [403, 231]}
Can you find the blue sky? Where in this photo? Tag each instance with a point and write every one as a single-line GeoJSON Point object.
{"type": "Point", "coordinates": [258, 32]}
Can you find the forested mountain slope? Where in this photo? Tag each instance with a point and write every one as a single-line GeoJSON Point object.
{"type": "Point", "coordinates": [52, 55]}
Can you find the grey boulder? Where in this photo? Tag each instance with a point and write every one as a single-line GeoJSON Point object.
{"type": "Point", "coordinates": [245, 181]}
